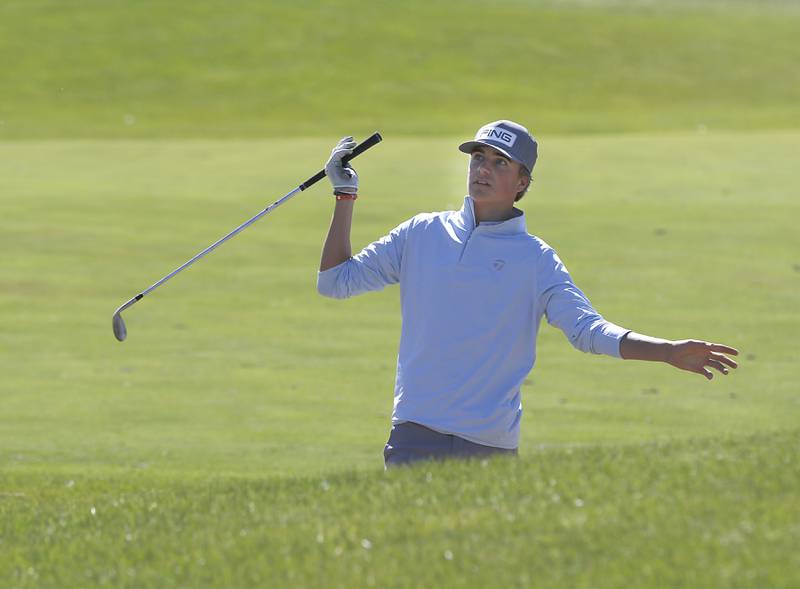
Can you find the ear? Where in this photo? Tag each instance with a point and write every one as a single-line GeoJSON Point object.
{"type": "Point", "coordinates": [523, 182]}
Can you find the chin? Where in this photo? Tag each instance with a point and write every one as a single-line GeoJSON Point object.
{"type": "Point", "coordinates": [480, 192]}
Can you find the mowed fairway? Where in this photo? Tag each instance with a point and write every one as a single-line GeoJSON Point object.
{"type": "Point", "coordinates": [239, 365]}
{"type": "Point", "coordinates": [235, 438]}
{"type": "Point", "coordinates": [237, 372]}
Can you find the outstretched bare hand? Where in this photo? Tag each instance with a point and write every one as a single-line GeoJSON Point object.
{"type": "Point", "coordinates": [698, 356]}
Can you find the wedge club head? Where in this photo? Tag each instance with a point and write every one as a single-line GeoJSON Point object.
{"type": "Point", "coordinates": [120, 331]}
{"type": "Point", "coordinates": [118, 324]}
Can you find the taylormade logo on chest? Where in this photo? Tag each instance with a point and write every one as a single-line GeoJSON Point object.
{"type": "Point", "coordinates": [497, 134]}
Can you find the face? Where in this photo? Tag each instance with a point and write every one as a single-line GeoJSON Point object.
{"type": "Point", "coordinates": [493, 177]}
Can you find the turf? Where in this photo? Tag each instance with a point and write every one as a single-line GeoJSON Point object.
{"type": "Point", "coordinates": [711, 513]}
{"type": "Point", "coordinates": [239, 365]}
{"type": "Point", "coordinates": [245, 68]}
{"type": "Point", "coordinates": [235, 439]}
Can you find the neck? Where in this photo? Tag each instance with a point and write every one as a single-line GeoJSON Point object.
{"type": "Point", "coordinates": [492, 212]}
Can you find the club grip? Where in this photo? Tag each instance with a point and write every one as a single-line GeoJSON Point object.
{"type": "Point", "coordinates": [373, 139]}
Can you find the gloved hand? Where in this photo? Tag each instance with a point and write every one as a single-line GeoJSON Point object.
{"type": "Point", "coordinates": [342, 176]}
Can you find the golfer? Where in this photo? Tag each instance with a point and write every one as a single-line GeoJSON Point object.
{"type": "Point", "coordinates": [474, 285]}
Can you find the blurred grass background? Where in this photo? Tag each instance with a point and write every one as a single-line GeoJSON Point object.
{"type": "Point", "coordinates": [246, 68]}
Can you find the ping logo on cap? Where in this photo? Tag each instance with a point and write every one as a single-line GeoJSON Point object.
{"type": "Point", "coordinates": [503, 136]}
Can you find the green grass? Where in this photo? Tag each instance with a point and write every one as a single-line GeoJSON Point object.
{"type": "Point", "coordinates": [235, 439]}
{"type": "Point", "coordinates": [111, 69]}
{"type": "Point", "coordinates": [239, 386]}
{"type": "Point", "coordinates": [710, 513]}
{"type": "Point", "coordinates": [238, 365]}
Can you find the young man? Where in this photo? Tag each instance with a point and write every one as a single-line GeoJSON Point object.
{"type": "Point", "coordinates": [474, 286]}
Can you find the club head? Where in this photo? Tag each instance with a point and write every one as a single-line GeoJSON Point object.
{"type": "Point", "coordinates": [120, 331]}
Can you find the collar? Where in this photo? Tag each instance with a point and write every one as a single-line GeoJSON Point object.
{"type": "Point", "coordinates": [465, 219]}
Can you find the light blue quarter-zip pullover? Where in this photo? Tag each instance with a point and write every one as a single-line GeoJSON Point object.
{"type": "Point", "coordinates": [472, 299]}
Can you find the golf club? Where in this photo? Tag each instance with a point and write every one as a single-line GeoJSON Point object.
{"type": "Point", "coordinates": [121, 332]}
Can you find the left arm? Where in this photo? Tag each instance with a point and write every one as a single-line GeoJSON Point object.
{"type": "Point", "coordinates": [567, 308]}
{"type": "Point", "coordinates": [692, 355]}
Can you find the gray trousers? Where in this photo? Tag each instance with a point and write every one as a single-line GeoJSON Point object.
{"type": "Point", "coordinates": [409, 442]}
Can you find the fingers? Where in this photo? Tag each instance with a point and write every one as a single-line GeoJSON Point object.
{"type": "Point", "coordinates": [724, 349]}
{"type": "Point", "coordinates": [343, 148]}
{"type": "Point", "coordinates": [345, 143]}
{"type": "Point", "coordinates": [340, 151]}
{"type": "Point", "coordinates": [725, 360]}
{"type": "Point", "coordinates": [717, 365]}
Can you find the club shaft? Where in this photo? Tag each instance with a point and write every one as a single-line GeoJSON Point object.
{"type": "Point", "coordinates": [374, 139]}
{"type": "Point", "coordinates": [219, 242]}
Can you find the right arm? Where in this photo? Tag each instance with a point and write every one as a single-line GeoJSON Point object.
{"type": "Point", "coordinates": [345, 188]}
{"type": "Point", "coordinates": [337, 245]}
{"type": "Point", "coordinates": [341, 274]}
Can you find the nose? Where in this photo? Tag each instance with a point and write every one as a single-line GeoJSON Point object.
{"type": "Point", "coordinates": [482, 169]}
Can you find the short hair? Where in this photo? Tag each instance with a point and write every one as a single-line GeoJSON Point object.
{"type": "Point", "coordinates": [523, 172]}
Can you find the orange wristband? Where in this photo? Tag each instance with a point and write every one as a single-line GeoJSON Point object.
{"type": "Point", "coordinates": [346, 196]}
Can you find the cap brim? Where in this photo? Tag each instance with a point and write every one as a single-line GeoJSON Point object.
{"type": "Point", "coordinates": [469, 147]}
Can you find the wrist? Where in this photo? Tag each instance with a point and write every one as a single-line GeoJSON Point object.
{"type": "Point", "coordinates": [636, 346]}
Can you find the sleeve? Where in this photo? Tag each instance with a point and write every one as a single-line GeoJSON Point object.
{"type": "Point", "coordinates": [373, 268]}
{"type": "Point", "coordinates": [567, 308]}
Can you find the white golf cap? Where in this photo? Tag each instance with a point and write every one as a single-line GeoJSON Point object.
{"type": "Point", "coordinates": [509, 138]}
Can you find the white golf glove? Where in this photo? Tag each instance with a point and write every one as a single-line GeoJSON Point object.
{"type": "Point", "coordinates": [342, 176]}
